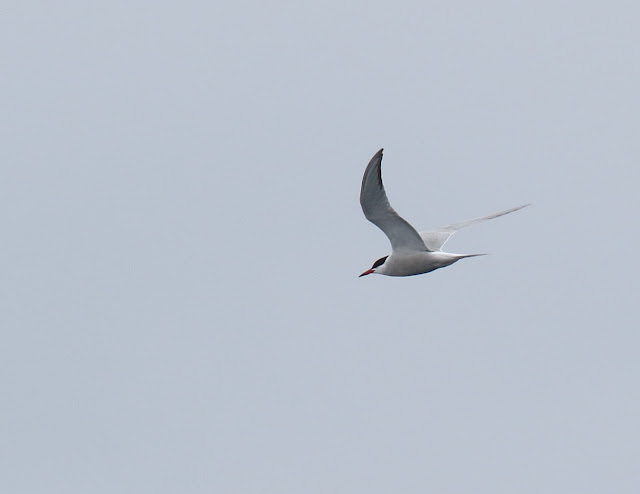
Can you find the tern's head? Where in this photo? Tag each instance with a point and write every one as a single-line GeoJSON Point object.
{"type": "Point", "coordinates": [376, 265]}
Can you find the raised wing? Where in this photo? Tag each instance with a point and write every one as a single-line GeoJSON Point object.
{"type": "Point", "coordinates": [436, 239]}
{"type": "Point", "coordinates": [377, 210]}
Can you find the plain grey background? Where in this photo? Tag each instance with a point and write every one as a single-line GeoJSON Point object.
{"type": "Point", "coordinates": [181, 239]}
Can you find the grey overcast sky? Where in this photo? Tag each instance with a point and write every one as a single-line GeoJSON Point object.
{"type": "Point", "coordinates": [181, 239]}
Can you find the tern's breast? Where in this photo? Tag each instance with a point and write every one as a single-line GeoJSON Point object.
{"type": "Point", "coordinates": [409, 264]}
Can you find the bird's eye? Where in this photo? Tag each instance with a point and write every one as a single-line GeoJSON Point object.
{"type": "Point", "coordinates": [379, 262]}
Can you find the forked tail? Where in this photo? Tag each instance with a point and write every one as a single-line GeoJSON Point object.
{"type": "Point", "coordinates": [462, 256]}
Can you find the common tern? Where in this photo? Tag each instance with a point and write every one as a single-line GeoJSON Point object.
{"type": "Point", "coordinates": [411, 252]}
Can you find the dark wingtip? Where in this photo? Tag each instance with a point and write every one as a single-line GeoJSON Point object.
{"type": "Point", "coordinates": [373, 168]}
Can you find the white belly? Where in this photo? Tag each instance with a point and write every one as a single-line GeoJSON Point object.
{"type": "Point", "coordinates": [409, 264]}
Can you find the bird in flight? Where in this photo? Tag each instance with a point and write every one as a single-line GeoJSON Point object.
{"type": "Point", "coordinates": [411, 252]}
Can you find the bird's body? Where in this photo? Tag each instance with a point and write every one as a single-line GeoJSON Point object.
{"type": "Point", "coordinates": [412, 252]}
{"type": "Point", "coordinates": [412, 263]}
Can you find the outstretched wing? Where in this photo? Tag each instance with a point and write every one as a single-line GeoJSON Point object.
{"type": "Point", "coordinates": [436, 239]}
{"type": "Point", "coordinates": [377, 210]}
